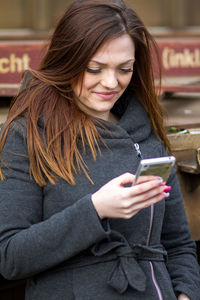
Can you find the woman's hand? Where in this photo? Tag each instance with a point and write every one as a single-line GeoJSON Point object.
{"type": "Point", "coordinates": [114, 200]}
{"type": "Point", "coordinates": [183, 297]}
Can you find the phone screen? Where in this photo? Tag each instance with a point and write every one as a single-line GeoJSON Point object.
{"type": "Point", "coordinates": [156, 166]}
{"type": "Point", "coordinates": [162, 170]}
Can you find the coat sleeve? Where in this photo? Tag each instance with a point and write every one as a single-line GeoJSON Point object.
{"type": "Point", "coordinates": [182, 261]}
{"type": "Point", "coordinates": [29, 245]}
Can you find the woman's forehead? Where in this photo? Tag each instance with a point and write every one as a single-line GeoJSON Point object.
{"type": "Point", "coordinates": [121, 49]}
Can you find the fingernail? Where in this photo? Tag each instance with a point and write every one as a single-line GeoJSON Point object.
{"type": "Point", "coordinates": [167, 189]}
{"type": "Point", "coordinates": [160, 180]}
{"type": "Point", "coordinates": [167, 195]}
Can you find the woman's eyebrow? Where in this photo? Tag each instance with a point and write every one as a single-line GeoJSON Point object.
{"type": "Point", "coordinates": [103, 64]}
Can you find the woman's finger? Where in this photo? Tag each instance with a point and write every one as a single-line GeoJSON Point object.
{"type": "Point", "coordinates": [142, 188]}
{"type": "Point", "coordinates": [133, 210]}
{"type": "Point", "coordinates": [145, 178]}
{"type": "Point", "coordinates": [123, 179]}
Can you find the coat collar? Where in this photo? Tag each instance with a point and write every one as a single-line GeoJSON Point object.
{"type": "Point", "coordinates": [134, 121]}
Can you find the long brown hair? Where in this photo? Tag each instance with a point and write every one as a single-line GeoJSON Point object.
{"type": "Point", "coordinates": [48, 96]}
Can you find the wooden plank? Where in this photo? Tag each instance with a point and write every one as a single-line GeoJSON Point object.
{"type": "Point", "coordinates": [182, 110]}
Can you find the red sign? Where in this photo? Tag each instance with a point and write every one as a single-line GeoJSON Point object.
{"type": "Point", "coordinates": [180, 63]}
{"type": "Point", "coordinates": [180, 59]}
{"type": "Point", "coordinates": [15, 58]}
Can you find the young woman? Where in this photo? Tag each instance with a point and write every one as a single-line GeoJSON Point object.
{"type": "Point", "coordinates": [71, 221]}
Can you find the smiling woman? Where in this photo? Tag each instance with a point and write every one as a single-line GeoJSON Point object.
{"type": "Point", "coordinates": [72, 222]}
{"type": "Point", "coordinates": [108, 74]}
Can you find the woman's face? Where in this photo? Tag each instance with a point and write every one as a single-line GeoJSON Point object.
{"type": "Point", "coordinates": [107, 76]}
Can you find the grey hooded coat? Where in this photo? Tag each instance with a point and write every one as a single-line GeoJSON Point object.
{"type": "Point", "coordinates": [53, 237]}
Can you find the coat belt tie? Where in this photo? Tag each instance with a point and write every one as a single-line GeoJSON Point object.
{"type": "Point", "coordinates": [126, 270]}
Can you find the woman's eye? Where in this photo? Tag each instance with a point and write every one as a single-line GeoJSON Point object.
{"type": "Point", "coordinates": [93, 70]}
{"type": "Point", "coordinates": [126, 70]}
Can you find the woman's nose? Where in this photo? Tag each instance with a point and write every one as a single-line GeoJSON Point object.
{"type": "Point", "coordinates": [109, 80]}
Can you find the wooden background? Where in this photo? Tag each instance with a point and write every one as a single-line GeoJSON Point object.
{"type": "Point", "coordinates": [42, 14]}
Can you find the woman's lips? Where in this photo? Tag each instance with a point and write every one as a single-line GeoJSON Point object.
{"type": "Point", "coordinates": [106, 95]}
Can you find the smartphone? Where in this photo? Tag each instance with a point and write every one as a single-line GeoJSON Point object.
{"type": "Point", "coordinates": [159, 166]}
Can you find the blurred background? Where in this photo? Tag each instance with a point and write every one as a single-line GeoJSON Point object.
{"type": "Point", "coordinates": [41, 15]}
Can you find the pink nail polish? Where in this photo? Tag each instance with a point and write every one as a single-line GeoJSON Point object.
{"type": "Point", "coordinates": [167, 189]}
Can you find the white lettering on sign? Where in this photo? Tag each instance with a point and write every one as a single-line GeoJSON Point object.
{"type": "Point", "coordinates": [184, 59]}
{"type": "Point", "coordinates": [13, 64]}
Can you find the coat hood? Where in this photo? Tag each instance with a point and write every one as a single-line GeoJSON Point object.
{"type": "Point", "coordinates": [134, 120]}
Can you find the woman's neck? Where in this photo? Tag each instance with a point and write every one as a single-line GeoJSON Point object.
{"type": "Point", "coordinates": [113, 118]}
